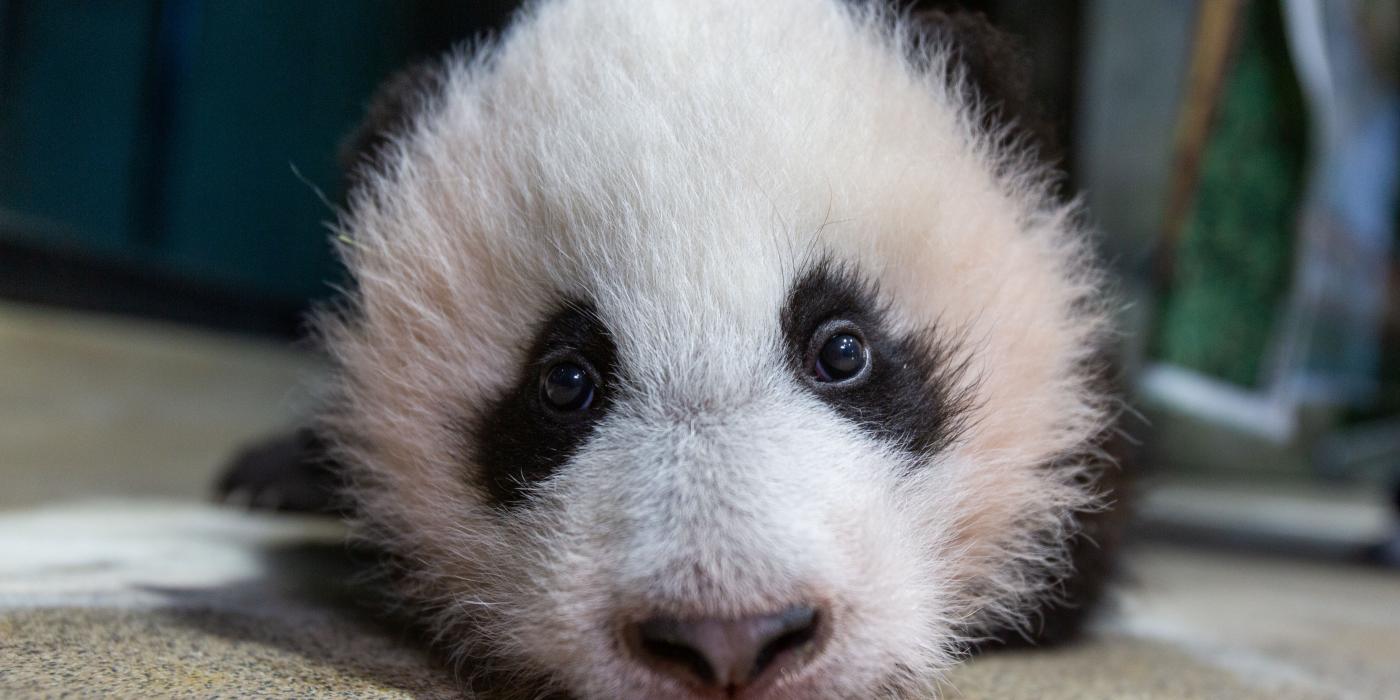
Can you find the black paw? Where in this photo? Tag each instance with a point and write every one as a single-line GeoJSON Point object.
{"type": "Point", "coordinates": [290, 473]}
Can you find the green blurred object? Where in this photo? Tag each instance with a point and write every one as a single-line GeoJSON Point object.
{"type": "Point", "coordinates": [1235, 256]}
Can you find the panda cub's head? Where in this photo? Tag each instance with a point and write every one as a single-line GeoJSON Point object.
{"type": "Point", "coordinates": [711, 349]}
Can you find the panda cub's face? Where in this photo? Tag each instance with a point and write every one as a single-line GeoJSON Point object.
{"type": "Point", "coordinates": [692, 495]}
{"type": "Point", "coordinates": [710, 349]}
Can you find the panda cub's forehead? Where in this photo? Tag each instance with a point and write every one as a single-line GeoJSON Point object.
{"type": "Point", "coordinates": [713, 184]}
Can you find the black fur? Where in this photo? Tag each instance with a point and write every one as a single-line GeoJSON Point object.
{"type": "Point", "coordinates": [994, 68]}
{"type": "Point", "coordinates": [910, 395]}
{"type": "Point", "coordinates": [520, 440]}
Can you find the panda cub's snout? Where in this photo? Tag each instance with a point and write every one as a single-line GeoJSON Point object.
{"type": "Point", "coordinates": [730, 654]}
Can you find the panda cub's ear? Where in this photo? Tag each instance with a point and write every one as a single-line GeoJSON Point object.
{"type": "Point", "coordinates": [996, 71]}
{"type": "Point", "coordinates": [391, 111]}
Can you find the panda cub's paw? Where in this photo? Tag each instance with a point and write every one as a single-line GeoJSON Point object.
{"type": "Point", "coordinates": [290, 473]}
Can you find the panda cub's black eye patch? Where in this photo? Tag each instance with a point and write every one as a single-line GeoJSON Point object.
{"type": "Point", "coordinates": [558, 397]}
{"type": "Point", "coordinates": [905, 388]}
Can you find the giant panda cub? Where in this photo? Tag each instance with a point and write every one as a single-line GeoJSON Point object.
{"type": "Point", "coordinates": [716, 349]}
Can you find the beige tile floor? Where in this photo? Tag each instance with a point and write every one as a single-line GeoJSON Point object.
{"type": "Point", "coordinates": [116, 580]}
{"type": "Point", "coordinates": [98, 406]}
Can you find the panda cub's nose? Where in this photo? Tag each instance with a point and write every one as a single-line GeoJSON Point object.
{"type": "Point", "coordinates": [728, 654]}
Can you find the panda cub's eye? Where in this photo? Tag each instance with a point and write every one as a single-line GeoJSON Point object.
{"type": "Point", "coordinates": [567, 387]}
{"type": "Point", "coordinates": [841, 357]}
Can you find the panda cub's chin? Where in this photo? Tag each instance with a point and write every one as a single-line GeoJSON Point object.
{"type": "Point", "coordinates": [714, 349]}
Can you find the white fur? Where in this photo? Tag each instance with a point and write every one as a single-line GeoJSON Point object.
{"type": "Point", "coordinates": [682, 163]}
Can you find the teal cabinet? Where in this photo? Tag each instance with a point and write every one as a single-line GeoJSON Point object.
{"type": "Point", "coordinates": [249, 153]}
{"type": "Point", "coordinates": [70, 119]}
{"type": "Point", "coordinates": [189, 139]}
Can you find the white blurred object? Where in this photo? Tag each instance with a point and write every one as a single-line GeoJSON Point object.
{"type": "Point", "coordinates": [1328, 348]}
{"type": "Point", "coordinates": [132, 553]}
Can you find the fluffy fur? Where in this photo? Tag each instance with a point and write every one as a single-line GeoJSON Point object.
{"type": "Point", "coordinates": [681, 165]}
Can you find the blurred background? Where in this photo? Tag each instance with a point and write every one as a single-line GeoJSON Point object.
{"type": "Point", "coordinates": [167, 166]}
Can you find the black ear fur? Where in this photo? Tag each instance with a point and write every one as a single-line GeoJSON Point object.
{"type": "Point", "coordinates": [997, 70]}
{"type": "Point", "coordinates": [392, 110]}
